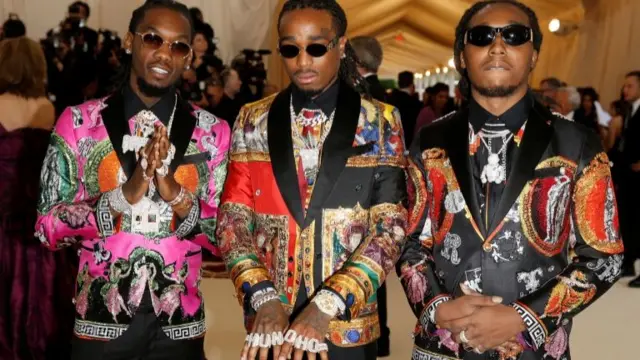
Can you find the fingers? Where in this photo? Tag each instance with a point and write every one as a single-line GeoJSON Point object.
{"type": "Point", "coordinates": [253, 350]}
{"type": "Point", "coordinates": [276, 351]}
{"type": "Point", "coordinates": [456, 326]}
{"type": "Point", "coordinates": [285, 350]}
{"type": "Point", "coordinates": [297, 355]}
{"type": "Point", "coordinates": [245, 350]}
{"type": "Point", "coordinates": [324, 355]}
{"type": "Point", "coordinates": [311, 356]}
{"type": "Point", "coordinates": [481, 300]}
{"type": "Point", "coordinates": [264, 353]}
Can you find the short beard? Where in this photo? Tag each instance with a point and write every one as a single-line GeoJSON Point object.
{"type": "Point", "coordinates": [311, 93]}
{"type": "Point", "coordinates": [497, 91]}
{"type": "Point", "coordinates": [151, 91]}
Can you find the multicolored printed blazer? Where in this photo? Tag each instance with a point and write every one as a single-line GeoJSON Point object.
{"type": "Point", "coordinates": [85, 160]}
{"type": "Point", "coordinates": [351, 235]}
{"type": "Point", "coordinates": [554, 248]}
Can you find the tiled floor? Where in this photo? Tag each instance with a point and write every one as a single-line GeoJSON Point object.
{"type": "Point", "coordinates": [608, 330]}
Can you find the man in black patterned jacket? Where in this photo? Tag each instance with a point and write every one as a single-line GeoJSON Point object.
{"type": "Point", "coordinates": [513, 223]}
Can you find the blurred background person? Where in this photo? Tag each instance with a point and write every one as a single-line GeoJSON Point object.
{"type": "Point", "coordinates": [404, 98]}
{"type": "Point", "coordinates": [369, 53]}
{"type": "Point", "coordinates": [438, 104]}
{"type": "Point", "coordinates": [587, 113]}
{"type": "Point", "coordinates": [36, 312]}
{"type": "Point", "coordinates": [229, 105]}
{"type": "Point", "coordinates": [12, 28]}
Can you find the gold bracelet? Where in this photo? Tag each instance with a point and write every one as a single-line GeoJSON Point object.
{"type": "Point", "coordinates": [178, 199]}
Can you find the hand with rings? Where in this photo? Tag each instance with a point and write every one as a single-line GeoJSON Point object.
{"type": "Point", "coordinates": [267, 332]}
{"type": "Point", "coordinates": [306, 335]}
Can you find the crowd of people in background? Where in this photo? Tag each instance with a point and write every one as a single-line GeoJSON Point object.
{"type": "Point", "coordinates": [83, 63]}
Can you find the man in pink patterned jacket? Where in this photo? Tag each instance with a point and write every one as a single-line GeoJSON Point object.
{"type": "Point", "coordinates": [134, 181]}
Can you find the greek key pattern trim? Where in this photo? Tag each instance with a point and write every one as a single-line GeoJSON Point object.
{"type": "Point", "coordinates": [429, 314]}
{"type": "Point", "coordinates": [185, 331]}
{"type": "Point", "coordinates": [98, 331]}
{"type": "Point", "coordinates": [421, 354]}
{"type": "Point", "coordinates": [536, 329]}
{"type": "Point", "coordinates": [102, 331]}
{"type": "Point", "coordinates": [105, 220]}
{"type": "Point", "coordinates": [190, 221]}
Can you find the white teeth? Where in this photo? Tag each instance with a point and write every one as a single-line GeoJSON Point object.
{"type": "Point", "coordinates": [159, 70]}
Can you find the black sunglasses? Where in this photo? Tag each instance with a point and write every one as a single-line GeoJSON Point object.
{"type": "Point", "coordinates": [155, 42]}
{"type": "Point", "coordinates": [315, 50]}
{"type": "Point", "coordinates": [512, 35]}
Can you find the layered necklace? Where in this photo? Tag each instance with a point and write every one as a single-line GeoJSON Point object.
{"type": "Point", "coordinates": [495, 171]}
{"type": "Point", "coordinates": [309, 148]}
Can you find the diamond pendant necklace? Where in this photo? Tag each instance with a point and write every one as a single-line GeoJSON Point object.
{"type": "Point", "coordinates": [495, 171]}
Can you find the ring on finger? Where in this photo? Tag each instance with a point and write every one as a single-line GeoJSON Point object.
{"type": "Point", "coordinates": [290, 336]}
{"type": "Point", "coordinates": [277, 338]}
{"type": "Point", "coordinates": [265, 341]}
{"type": "Point", "coordinates": [463, 337]}
{"type": "Point", "coordinates": [302, 342]}
{"type": "Point", "coordinates": [479, 350]}
{"type": "Point", "coordinates": [257, 339]}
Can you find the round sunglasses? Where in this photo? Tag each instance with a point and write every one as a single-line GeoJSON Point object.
{"type": "Point", "coordinates": [155, 42]}
{"type": "Point", "coordinates": [288, 51]}
{"type": "Point", "coordinates": [512, 35]}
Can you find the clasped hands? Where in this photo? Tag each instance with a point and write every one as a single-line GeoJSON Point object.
{"type": "Point", "coordinates": [150, 168]}
{"type": "Point", "coordinates": [305, 335]}
{"type": "Point", "coordinates": [480, 322]}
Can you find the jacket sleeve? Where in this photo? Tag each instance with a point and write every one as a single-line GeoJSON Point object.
{"type": "Point", "coordinates": [200, 224]}
{"type": "Point", "coordinates": [416, 266]}
{"type": "Point", "coordinates": [596, 251]}
{"type": "Point", "coordinates": [363, 273]}
{"type": "Point", "coordinates": [65, 214]}
{"type": "Point", "coordinates": [236, 223]}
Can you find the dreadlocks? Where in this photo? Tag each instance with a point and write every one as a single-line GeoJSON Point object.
{"type": "Point", "coordinates": [463, 26]}
{"type": "Point", "coordinates": [349, 64]}
{"type": "Point", "coordinates": [121, 79]}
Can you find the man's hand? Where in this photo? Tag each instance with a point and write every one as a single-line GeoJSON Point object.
{"type": "Point", "coordinates": [136, 187]}
{"type": "Point", "coordinates": [270, 319]}
{"type": "Point", "coordinates": [461, 308]}
{"type": "Point", "coordinates": [488, 327]}
{"type": "Point", "coordinates": [168, 187]}
{"type": "Point", "coordinates": [311, 324]}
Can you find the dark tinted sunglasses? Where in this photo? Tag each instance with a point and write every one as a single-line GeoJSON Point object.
{"type": "Point", "coordinates": [155, 42]}
{"type": "Point", "coordinates": [512, 35]}
{"type": "Point", "coordinates": [316, 50]}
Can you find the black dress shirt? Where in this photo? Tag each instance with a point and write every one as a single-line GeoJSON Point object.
{"type": "Point", "coordinates": [325, 101]}
{"type": "Point", "coordinates": [162, 109]}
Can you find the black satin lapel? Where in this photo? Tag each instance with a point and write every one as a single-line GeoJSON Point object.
{"type": "Point", "coordinates": [117, 126]}
{"type": "Point", "coordinates": [281, 151]}
{"type": "Point", "coordinates": [335, 151]}
{"type": "Point", "coordinates": [535, 140]}
{"type": "Point", "coordinates": [184, 122]}
{"type": "Point", "coordinates": [456, 144]}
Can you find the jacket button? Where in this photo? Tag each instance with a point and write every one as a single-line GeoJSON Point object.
{"type": "Point", "coordinates": [358, 187]}
{"type": "Point", "coordinates": [290, 259]}
{"type": "Point", "coordinates": [376, 176]}
{"type": "Point", "coordinates": [487, 247]}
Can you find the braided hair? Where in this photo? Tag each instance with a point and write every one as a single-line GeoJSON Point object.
{"type": "Point", "coordinates": [348, 71]}
{"type": "Point", "coordinates": [463, 26]}
{"type": "Point", "coordinates": [121, 79]}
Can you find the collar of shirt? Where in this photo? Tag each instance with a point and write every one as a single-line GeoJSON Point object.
{"type": "Point", "coordinates": [513, 118]}
{"type": "Point", "coordinates": [635, 106]}
{"type": "Point", "coordinates": [162, 109]}
{"type": "Point", "coordinates": [326, 101]}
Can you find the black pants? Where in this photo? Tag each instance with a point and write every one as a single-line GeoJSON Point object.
{"type": "Point", "coordinates": [143, 340]}
{"type": "Point", "coordinates": [628, 200]}
{"type": "Point", "coordinates": [382, 311]}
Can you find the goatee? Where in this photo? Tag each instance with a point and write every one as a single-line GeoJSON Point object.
{"type": "Point", "coordinates": [150, 90]}
{"type": "Point", "coordinates": [496, 91]}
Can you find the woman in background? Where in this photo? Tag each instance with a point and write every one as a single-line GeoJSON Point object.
{"type": "Point", "coordinates": [36, 288]}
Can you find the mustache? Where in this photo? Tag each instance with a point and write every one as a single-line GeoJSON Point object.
{"type": "Point", "coordinates": [305, 72]}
